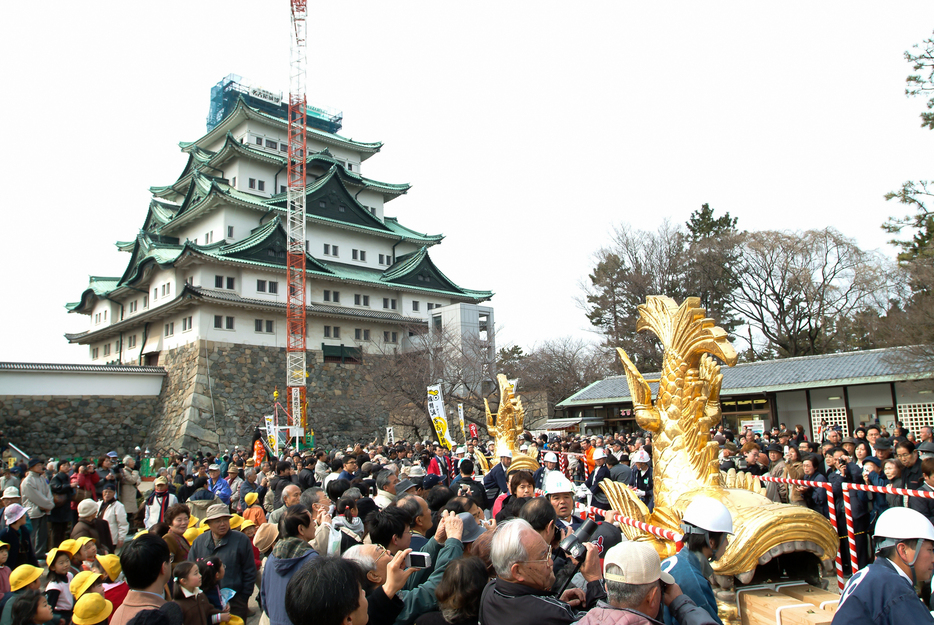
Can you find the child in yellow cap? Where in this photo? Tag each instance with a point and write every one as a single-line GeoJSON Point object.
{"type": "Point", "coordinates": [4, 569]}
{"type": "Point", "coordinates": [92, 609]}
{"type": "Point", "coordinates": [24, 578]}
{"type": "Point", "coordinates": [115, 586]}
{"type": "Point", "coordinates": [84, 582]}
{"type": "Point", "coordinates": [58, 589]}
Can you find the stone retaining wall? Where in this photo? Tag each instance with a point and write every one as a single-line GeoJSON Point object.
{"type": "Point", "coordinates": [76, 426]}
{"type": "Point", "coordinates": [213, 396]}
{"type": "Point", "coordinates": [242, 380]}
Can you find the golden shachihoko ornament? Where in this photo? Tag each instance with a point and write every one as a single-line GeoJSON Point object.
{"type": "Point", "coordinates": [684, 459]}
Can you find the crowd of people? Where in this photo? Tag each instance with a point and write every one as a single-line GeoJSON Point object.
{"type": "Point", "coordinates": [407, 533]}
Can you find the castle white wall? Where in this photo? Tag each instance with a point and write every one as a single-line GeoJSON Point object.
{"type": "Point", "coordinates": [41, 383]}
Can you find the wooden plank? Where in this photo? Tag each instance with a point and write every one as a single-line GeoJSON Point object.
{"type": "Point", "coordinates": [823, 599]}
{"type": "Point", "coordinates": [768, 607]}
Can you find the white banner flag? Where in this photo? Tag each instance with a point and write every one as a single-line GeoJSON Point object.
{"type": "Point", "coordinates": [460, 417]}
{"type": "Point", "coordinates": [436, 412]}
{"type": "Point", "coordinates": [271, 436]}
{"type": "Point", "coordinates": [390, 435]}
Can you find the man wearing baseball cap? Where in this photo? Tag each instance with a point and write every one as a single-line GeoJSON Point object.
{"type": "Point", "coordinates": [218, 486]}
{"type": "Point", "coordinates": [635, 584]}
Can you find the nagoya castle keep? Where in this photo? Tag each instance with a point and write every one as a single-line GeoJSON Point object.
{"type": "Point", "coordinates": [202, 293]}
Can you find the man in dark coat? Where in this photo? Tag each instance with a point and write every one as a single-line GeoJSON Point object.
{"type": "Point", "coordinates": [236, 552]}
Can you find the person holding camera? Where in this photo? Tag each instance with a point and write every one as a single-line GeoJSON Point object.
{"type": "Point", "coordinates": [521, 591]}
{"type": "Point", "coordinates": [706, 525]}
{"type": "Point", "coordinates": [636, 585]}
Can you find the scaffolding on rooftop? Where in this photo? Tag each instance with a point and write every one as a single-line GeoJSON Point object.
{"type": "Point", "coordinates": [228, 90]}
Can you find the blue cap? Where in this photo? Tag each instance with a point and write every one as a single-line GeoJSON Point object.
{"type": "Point", "coordinates": [112, 454]}
{"type": "Point", "coordinates": [430, 480]}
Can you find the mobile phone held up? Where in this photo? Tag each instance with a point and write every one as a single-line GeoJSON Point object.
{"type": "Point", "coordinates": [418, 560]}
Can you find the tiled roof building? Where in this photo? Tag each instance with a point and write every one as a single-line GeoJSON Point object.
{"type": "Point", "coordinates": [843, 389]}
{"type": "Point", "coordinates": [209, 260]}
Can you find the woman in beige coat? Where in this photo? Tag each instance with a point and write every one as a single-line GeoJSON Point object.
{"type": "Point", "coordinates": [794, 471]}
{"type": "Point", "coordinates": [129, 485]}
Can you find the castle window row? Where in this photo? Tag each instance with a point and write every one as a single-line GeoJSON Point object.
{"type": "Point", "coordinates": [270, 286]}
{"type": "Point", "coordinates": [221, 282]}
{"type": "Point", "coordinates": [265, 326]}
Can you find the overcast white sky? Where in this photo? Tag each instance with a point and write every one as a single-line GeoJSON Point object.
{"type": "Point", "coordinates": [528, 129]}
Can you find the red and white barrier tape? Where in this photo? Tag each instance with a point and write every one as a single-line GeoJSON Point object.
{"type": "Point", "coordinates": [831, 508]}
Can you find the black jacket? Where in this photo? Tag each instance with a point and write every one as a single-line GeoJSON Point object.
{"type": "Point", "coordinates": [60, 484]}
{"type": "Point", "coordinates": [508, 602]}
{"type": "Point", "coordinates": [381, 609]}
{"type": "Point", "coordinates": [306, 479]}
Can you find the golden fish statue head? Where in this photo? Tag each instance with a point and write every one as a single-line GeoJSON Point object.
{"type": "Point", "coordinates": [686, 462]}
{"type": "Point", "coordinates": [506, 426]}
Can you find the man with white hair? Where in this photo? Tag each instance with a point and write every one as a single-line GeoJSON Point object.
{"type": "Point", "coordinates": [636, 585]}
{"type": "Point", "coordinates": [378, 564]}
{"type": "Point", "coordinates": [521, 591]}
{"type": "Point", "coordinates": [385, 488]}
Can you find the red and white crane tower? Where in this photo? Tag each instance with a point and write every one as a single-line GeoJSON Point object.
{"type": "Point", "coordinates": [298, 143]}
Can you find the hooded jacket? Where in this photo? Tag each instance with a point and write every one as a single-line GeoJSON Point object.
{"type": "Point", "coordinates": [287, 557]}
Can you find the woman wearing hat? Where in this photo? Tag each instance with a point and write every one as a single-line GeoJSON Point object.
{"type": "Point", "coordinates": [86, 526]}
{"type": "Point", "coordinates": [158, 502]}
{"type": "Point", "coordinates": [234, 480]}
{"type": "Point", "coordinates": [113, 513]}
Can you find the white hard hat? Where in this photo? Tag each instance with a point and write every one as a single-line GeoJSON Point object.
{"type": "Point", "coordinates": [523, 446]}
{"type": "Point", "coordinates": [599, 453]}
{"type": "Point", "coordinates": [709, 514]}
{"type": "Point", "coordinates": [897, 525]}
{"type": "Point", "coordinates": [504, 452]}
{"type": "Point", "coordinates": [641, 456]}
{"type": "Point", "coordinates": [550, 457]}
{"type": "Point", "coordinates": [555, 483]}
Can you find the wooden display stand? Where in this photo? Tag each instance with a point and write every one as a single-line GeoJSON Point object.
{"type": "Point", "coordinates": [765, 606]}
{"type": "Point", "coordinates": [823, 599]}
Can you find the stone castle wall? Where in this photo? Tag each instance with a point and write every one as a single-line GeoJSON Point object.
{"type": "Point", "coordinates": [73, 426]}
{"type": "Point", "coordinates": [242, 380]}
{"type": "Point", "coordinates": [192, 414]}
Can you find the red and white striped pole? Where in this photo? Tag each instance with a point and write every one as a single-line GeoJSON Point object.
{"type": "Point", "coordinates": [850, 529]}
{"type": "Point", "coordinates": [832, 508]}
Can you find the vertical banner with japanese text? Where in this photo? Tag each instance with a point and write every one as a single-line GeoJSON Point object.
{"type": "Point", "coordinates": [460, 417]}
{"type": "Point", "coordinates": [436, 412]}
